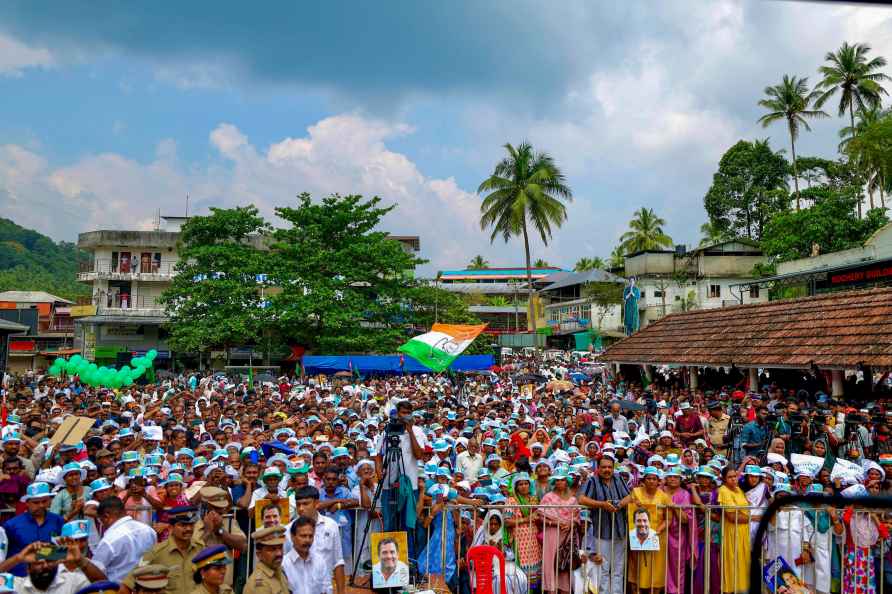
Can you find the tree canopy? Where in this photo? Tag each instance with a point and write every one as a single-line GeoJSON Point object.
{"type": "Point", "coordinates": [645, 233]}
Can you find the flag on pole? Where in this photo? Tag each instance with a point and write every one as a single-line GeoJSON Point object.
{"type": "Point", "coordinates": [438, 348]}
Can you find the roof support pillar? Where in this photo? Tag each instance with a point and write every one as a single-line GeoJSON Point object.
{"type": "Point", "coordinates": [753, 379]}
{"type": "Point", "coordinates": [649, 372]}
{"type": "Point", "coordinates": [694, 378]}
{"type": "Point", "coordinates": [837, 376]}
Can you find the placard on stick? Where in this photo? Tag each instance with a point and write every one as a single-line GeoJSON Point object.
{"type": "Point", "coordinates": [72, 431]}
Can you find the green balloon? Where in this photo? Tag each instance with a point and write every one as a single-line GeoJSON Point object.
{"type": "Point", "coordinates": [151, 354]}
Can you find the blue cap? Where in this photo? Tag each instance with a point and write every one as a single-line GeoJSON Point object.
{"type": "Point", "coordinates": [103, 587]}
{"type": "Point", "coordinates": [173, 477]}
{"type": "Point", "coordinates": [130, 456]}
{"type": "Point", "coordinates": [652, 471]}
{"type": "Point", "coordinates": [752, 470]}
{"type": "Point", "coordinates": [493, 458]}
{"type": "Point", "coordinates": [74, 467]}
{"type": "Point", "coordinates": [7, 582]}
{"type": "Point", "coordinates": [183, 514]}
{"type": "Point", "coordinates": [100, 484]}
{"type": "Point", "coordinates": [75, 529]}
{"type": "Point", "coordinates": [36, 491]}
{"type": "Point", "coordinates": [215, 555]}
{"type": "Point", "coordinates": [340, 452]}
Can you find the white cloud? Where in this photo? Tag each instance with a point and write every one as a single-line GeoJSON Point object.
{"type": "Point", "coordinates": [343, 154]}
{"type": "Point", "coordinates": [15, 57]}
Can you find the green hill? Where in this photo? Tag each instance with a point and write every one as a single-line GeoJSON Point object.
{"type": "Point", "coordinates": [30, 261]}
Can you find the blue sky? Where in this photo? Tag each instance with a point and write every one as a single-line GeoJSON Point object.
{"type": "Point", "coordinates": [112, 111]}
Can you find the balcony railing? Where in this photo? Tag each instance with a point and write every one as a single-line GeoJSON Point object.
{"type": "Point", "coordinates": [133, 269]}
{"type": "Point", "coordinates": [124, 304]}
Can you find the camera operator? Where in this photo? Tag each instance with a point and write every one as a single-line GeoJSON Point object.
{"type": "Point", "coordinates": [883, 443]}
{"type": "Point", "coordinates": [754, 434]}
{"type": "Point", "coordinates": [411, 444]}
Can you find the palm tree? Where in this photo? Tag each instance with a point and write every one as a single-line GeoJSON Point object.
{"type": "Point", "coordinates": [617, 257]}
{"type": "Point", "coordinates": [790, 101]}
{"type": "Point", "coordinates": [526, 189]}
{"type": "Point", "coordinates": [478, 262]}
{"type": "Point", "coordinates": [865, 118]}
{"type": "Point", "coordinates": [586, 264]}
{"type": "Point", "coordinates": [645, 233]}
{"type": "Point", "coordinates": [864, 154]}
{"type": "Point", "coordinates": [712, 233]}
{"type": "Point", "coordinates": [855, 77]}
{"type": "Point", "coordinates": [540, 263]}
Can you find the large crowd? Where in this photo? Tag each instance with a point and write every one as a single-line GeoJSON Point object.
{"type": "Point", "coordinates": [584, 481]}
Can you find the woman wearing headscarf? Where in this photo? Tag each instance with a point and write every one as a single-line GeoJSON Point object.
{"type": "Point", "coordinates": [492, 532]}
{"type": "Point", "coordinates": [524, 523]}
{"type": "Point", "coordinates": [757, 494]}
{"type": "Point", "coordinates": [862, 530]}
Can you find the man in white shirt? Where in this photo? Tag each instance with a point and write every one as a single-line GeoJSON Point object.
{"type": "Point", "coordinates": [326, 539]}
{"type": "Point", "coordinates": [470, 461]}
{"type": "Point", "coordinates": [124, 543]}
{"type": "Point", "coordinates": [305, 571]}
{"type": "Point", "coordinates": [44, 574]}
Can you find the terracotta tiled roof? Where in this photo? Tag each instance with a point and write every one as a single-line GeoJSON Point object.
{"type": "Point", "coordinates": [831, 330]}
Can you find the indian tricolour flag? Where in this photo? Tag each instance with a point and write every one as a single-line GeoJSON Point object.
{"type": "Point", "coordinates": [438, 348]}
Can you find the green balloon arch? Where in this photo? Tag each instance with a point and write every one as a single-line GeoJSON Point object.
{"type": "Point", "coordinates": [105, 377]}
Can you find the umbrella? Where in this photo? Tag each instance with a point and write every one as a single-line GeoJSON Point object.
{"type": "Point", "coordinates": [559, 385]}
{"type": "Point", "coordinates": [630, 405]}
{"type": "Point", "coordinates": [264, 377]}
{"type": "Point", "coordinates": [530, 378]}
{"type": "Point", "coordinates": [579, 377]}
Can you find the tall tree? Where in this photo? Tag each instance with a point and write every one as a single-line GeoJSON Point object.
{"type": "Point", "coordinates": [645, 232]}
{"type": "Point", "coordinates": [871, 152]}
{"type": "Point", "coordinates": [216, 299]}
{"type": "Point", "coordinates": [617, 257]}
{"type": "Point", "coordinates": [586, 264]}
{"type": "Point", "coordinates": [790, 101]}
{"type": "Point", "coordinates": [526, 189]}
{"type": "Point", "coordinates": [856, 78]}
{"type": "Point", "coordinates": [711, 234]}
{"type": "Point", "coordinates": [748, 189]}
{"type": "Point", "coordinates": [478, 262]}
{"type": "Point", "coordinates": [540, 263]}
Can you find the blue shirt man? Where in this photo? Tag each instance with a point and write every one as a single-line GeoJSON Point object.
{"type": "Point", "coordinates": [753, 435]}
{"type": "Point", "coordinates": [37, 524]}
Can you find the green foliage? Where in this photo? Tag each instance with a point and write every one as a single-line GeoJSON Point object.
{"type": "Point", "coordinates": [478, 262]}
{"type": "Point", "coordinates": [540, 263]}
{"type": "Point", "coordinates": [498, 300]}
{"type": "Point", "coordinates": [215, 300]}
{"type": "Point", "coordinates": [712, 234]}
{"type": "Point", "coordinates": [857, 79]}
{"type": "Point", "coordinates": [832, 223]}
{"type": "Point", "coordinates": [748, 189]}
{"type": "Point", "coordinates": [343, 283]}
{"type": "Point", "coordinates": [585, 264]}
{"type": "Point", "coordinates": [871, 152]}
{"type": "Point", "coordinates": [30, 261]}
{"type": "Point", "coordinates": [645, 233]}
{"type": "Point", "coordinates": [604, 297]}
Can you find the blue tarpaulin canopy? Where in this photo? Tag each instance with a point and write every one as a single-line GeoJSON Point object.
{"type": "Point", "coordinates": [364, 364]}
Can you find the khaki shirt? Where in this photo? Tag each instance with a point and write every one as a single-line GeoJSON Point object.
{"type": "Point", "coordinates": [266, 580]}
{"type": "Point", "coordinates": [716, 429]}
{"type": "Point", "coordinates": [202, 589]}
{"type": "Point", "coordinates": [230, 526]}
{"type": "Point", "coordinates": [166, 553]}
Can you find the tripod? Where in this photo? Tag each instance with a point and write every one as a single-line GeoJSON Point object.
{"type": "Point", "coordinates": [392, 460]}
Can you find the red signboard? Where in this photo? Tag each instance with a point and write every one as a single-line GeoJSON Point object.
{"type": "Point", "coordinates": [22, 345]}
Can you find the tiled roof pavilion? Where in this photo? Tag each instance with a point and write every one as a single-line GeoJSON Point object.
{"type": "Point", "coordinates": [833, 331]}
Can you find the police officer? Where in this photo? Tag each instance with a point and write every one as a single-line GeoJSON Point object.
{"type": "Point", "coordinates": [216, 529]}
{"type": "Point", "coordinates": [268, 578]}
{"type": "Point", "coordinates": [717, 427]}
{"type": "Point", "coordinates": [150, 579]}
{"type": "Point", "coordinates": [176, 552]}
{"type": "Point", "coordinates": [103, 587]}
{"type": "Point", "coordinates": [210, 570]}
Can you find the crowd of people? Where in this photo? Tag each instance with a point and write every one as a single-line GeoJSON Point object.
{"type": "Point", "coordinates": [584, 480]}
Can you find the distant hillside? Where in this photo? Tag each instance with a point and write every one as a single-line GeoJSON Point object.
{"type": "Point", "coordinates": [30, 261]}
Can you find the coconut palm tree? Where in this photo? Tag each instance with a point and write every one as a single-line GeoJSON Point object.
{"type": "Point", "coordinates": [645, 233]}
{"type": "Point", "coordinates": [526, 192]}
{"type": "Point", "coordinates": [712, 233]}
{"type": "Point", "coordinates": [872, 152]}
{"type": "Point", "coordinates": [617, 257]}
{"type": "Point", "coordinates": [540, 263]}
{"type": "Point", "coordinates": [855, 77]}
{"type": "Point", "coordinates": [790, 101]}
{"type": "Point", "coordinates": [478, 262]}
{"type": "Point", "coordinates": [586, 264]}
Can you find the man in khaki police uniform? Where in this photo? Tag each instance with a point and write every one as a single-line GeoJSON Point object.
{"type": "Point", "coordinates": [214, 529]}
{"type": "Point", "coordinates": [717, 426]}
{"type": "Point", "coordinates": [268, 578]}
{"type": "Point", "coordinates": [176, 552]}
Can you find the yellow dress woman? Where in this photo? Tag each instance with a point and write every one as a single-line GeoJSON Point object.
{"type": "Point", "coordinates": [735, 534]}
{"type": "Point", "coordinates": [647, 569]}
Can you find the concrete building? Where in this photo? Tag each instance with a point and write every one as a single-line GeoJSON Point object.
{"type": "Point", "coordinates": [704, 278]}
{"type": "Point", "coordinates": [498, 296]}
{"type": "Point", "coordinates": [571, 313]}
{"type": "Point", "coordinates": [128, 273]}
{"type": "Point", "coordinates": [49, 328]}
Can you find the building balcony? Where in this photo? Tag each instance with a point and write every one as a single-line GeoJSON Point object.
{"type": "Point", "coordinates": [100, 269]}
{"type": "Point", "coordinates": [127, 306]}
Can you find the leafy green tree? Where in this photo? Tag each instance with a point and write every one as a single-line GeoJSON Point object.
{"type": "Point", "coordinates": [498, 300]}
{"type": "Point", "coordinates": [526, 189]}
{"type": "Point", "coordinates": [617, 257]}
{"type": "Point", "coordinates": [478, 262]}
{"type": "Point", "coordinates": [217, 298]}
{"type": "Point", "coordinates": [711, 234]}
{"type": "Point", "coordinates": [856, 78]}
{"type": "Point", "coordinates": [790, 101]}
{"type": "Point", "coordinates": [343, 283]}
{"type": "Point", "coordinates": [604, 297]}
{"type": "Point", "coordinates": [748, 189]}
{"type": "Point", "coordinates": [871, 152]}
{"type": "Point", "coordinates": [832, 224]}
{"type": "Point", "coordinates": [645, 233]}
{"type": "Point", "coordinates": [429, 304]}
{"type": "Point", "coordinates": [540, 263]}
{"type": "Point", "coordinates": [586, 264]}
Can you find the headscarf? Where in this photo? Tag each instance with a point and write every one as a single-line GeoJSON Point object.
{"type": "Point", "coordinates": [484, 537]}
{"type": "Point", "coordinates": [829, 458]}
{"type": "Point", "coordinates": [525, 503]}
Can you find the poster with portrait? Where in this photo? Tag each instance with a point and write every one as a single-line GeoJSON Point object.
{"type": "Point", "coordinates": [390, 560]}
{"type": "Point", "coordinates": [271, 513]}
{"type": "Point", "coordinates": [643, 537]}
{"type": "Point", "coordinates": [780, 578]}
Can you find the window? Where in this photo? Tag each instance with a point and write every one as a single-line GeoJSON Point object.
{"type": "Point", "coordinates": [678, 297]}
{"type": "Point", "coordinates": [715, 291]}
{"type": "Point", "coordinates": [658, 294]}
{"type": "Point", "coordinates": [754, 291]}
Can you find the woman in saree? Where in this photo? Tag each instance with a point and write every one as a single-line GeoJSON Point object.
{"type": "Point", "coordinates": [439, 556]}
{"type": "Point", "coordinates": [647, 569]}
{"type": "Point", "coordinates": [710, 551]}
{"type": "Point", "coordinates": [560, 525]}
{"type": "Point", "coordinates": [523, 522]}
{"type": "Point", "coordinates": [492, 532]}
{"type": "Point", "coordinates": [735, 533]}
{"type": "Point", "coordinates": [757, 494]}
{"type": "Point", "coordinates": [862, 531]}
{"type": "Point", "coordinates": [682, 532]}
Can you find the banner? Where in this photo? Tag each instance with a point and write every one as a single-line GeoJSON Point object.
{"type": "Point", "coordinates": [438, 348]}
{"type": "Point", "coordinates": [810, 465]}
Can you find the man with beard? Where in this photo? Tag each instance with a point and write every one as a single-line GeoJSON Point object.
{"type": "Point", "coordinates": [42, 560]}
{"type": "Point", "coordinates": [268, 578]}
